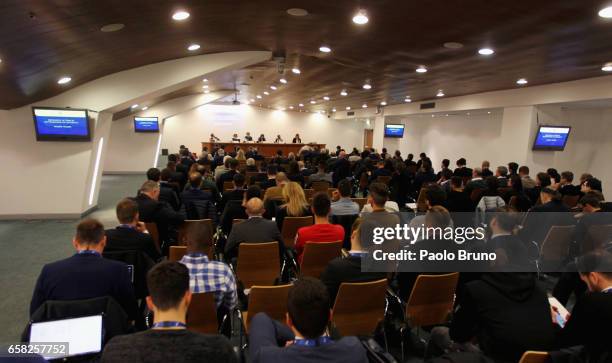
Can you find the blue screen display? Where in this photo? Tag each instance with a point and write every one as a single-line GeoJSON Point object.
{"type": "Point", "coordinates": [551, 137]}
{"type": "Point", "coordinates": [61, 124]}
{"type": "Point", "coordinates": [394, 130]}
{"type": "Point", "coordinates": [146, 124]}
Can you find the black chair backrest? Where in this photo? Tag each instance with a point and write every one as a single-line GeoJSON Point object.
{"type": "Point", "coordinates": [271, 206]}
{"type": "Point", "coordinates": [141, 264]}
{"type": "Point", "coordinates": [346, 221]}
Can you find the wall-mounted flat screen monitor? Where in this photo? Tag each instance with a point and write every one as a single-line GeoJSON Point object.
{"type": "Point", "coordinates": [61, 124]}
{"type": "Point", "coordinates": [551, 138]}
{"type": "Point", "coordinates": [146, 124]}
{"type": "Point", "coordinates": [394, 130]}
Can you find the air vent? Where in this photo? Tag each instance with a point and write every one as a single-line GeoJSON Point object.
{"type": "Point", "coordinates": [350, 113]}
{"type": "Point", "coordinates": [164, 152]}
{"type": "Point", "coordinates": [425, 106]}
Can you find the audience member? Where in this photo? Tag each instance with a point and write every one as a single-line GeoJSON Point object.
{"type": "Point", "coordinates": [343, 204]}
{"type": "Point", "coordinates": [197, 203]}
{"type": "Point", "coordinates": [166, 192]}
{"type": "Point", "coordinates": [277, 191]}
{"type": "Point", "coordinates": [321, 174]}
{"type": "Point", "coordinates": [565, 185]}
{"type": "Point", "coordinates": [526, 180]}
{"type": "Point", "coordinates": [462, 170]}
{"type": "Point", "coordinates": [378, 200]}
{"type": "Point", "coordinates": [295, 204]}
{"type": "Point", "coordinates": [502, 176]}
{"type": "Point", "coordinates": [486, 171]}
{"type": "Point", "coordinates": [237, 193]}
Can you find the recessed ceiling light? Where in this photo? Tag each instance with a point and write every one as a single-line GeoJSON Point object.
{"type": "Point", "coordinates": [109, 28]}
{"type": "Point", "coordinates": [312, 102]}
{"type": "Point", "coordinates": [361, 17]}
{"type": "Point", "coordinates": [207, 91]}
{"type": "Point", "coordinates": [364, 106]}
{"type": "Point", "coordinates": [252, 100]}
{"type": "Point", "coordinates": [407, 100]}
{"type": "Point", "coordinates": [333, 109]}
{"type": "Point", "coordinates": [452, 45]}
{"type": "Point", "coordinates": [607, 67]}
{"type": "Point", "coordinates": [64, 80]}
{"type": "Point", "coordinates": [488, 112]}
{"type": "Point", "coordinates": [283, 81]}
{"type": "Point", "coordinates": [348, 108]}
{"type": "Point", "coordinates": [273, 88]}
{"type": "Point", "coordinates": [421, 69]}
{"type": "Point", "coordinates": [301, 105]}
{"type": "Point", "coordinates": [343, 93]}
{"type": "Point", "coordinates": [145, 108]}
{"type": "Point", "coordinates": [297, 12]}
{"type": "Point", "coordinates": [326, 98]}
{"type": "Point", "coordinates": [134, 105]}
{"type": "Point", "coordinates": [440, 93]}
{"type": "Point", "coordinates": [205, 86]}
{"type": "Point", "coordinates": [266, 93]}
{"type": "Point", "coordinates": [522, 81]}
{"type": "Point", "coordinates": [258, 96]}
{"type": "Point", "coordinates": [180, 15]}
{"type": "Point", "coordinates": [325, 49]}
{"type": "Point", "coordinates": [205, 80]}
{"type": "Point", "coordinates": [193, 47]}
{"type": "Point", "coordinates": [383, 103]}
{"type": "Point", "coordinates": [606, 12]}
{"type": "Point", "coordinates": [367, 85]}
{"type": "Point", "coordinates": [485, 51]}
{"type": "Point", "coordinates": [296, 70]}
{"type": "Point", "coordinates": [291, 107]}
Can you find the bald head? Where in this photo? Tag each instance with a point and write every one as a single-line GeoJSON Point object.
{"type": "Point", "coordinates": [254, 207]}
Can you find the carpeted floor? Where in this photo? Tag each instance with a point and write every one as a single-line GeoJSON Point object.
{"type": "Point", "coordinates": [27, 245]}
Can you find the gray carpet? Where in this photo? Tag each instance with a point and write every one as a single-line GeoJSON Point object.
{"type": "Point", "coordinates": [27, 245]}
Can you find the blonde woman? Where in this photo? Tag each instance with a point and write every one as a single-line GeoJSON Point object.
{"type": "Point", "coordinates": [295, 204]}
{"type": "Point", "coordinates": [240, 155]}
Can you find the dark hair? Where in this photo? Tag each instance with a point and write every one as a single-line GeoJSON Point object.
{"type": "Point", "coordinates": [553, 193]}
{"type": "Point", "coordinates": [172, 158]}
{"type": "Point", "coordinates": [272, 170]}
{"type": "Point", "coordinates": [445, 163]}
{"type": "Point", "coordinates": [437, 216]}
{"type": "Point", "coordinates": [461, 161]}
{"type": "Point", "coordinates": [89, 232]}
{"type": "Point", "coordinates": [345, 188]}
{"type": "Point", "coordinates": [596, 261]}
{"type": "Point", "coordinates": [379, 193]}
{"type": "Point", "coordinates": [126, 210]}
{"type": "Point", "coordinates": [166, 174]}
{"type": "Point", "coordinates": [308, 307]}
{"type": "Point", "coordinates": [239, 179]}
{"type": "Point", "coordinates": [513, 167]}
{"type": "Point", "coordinates": [492, 184]}
{"type": "Point", "coordinates": [422, 155]}
{"type": "Point", "coordinates": [435, 194]}
{"type": "Point", "coordinates": [594, 184]}
{"type": "Point", "coordinates": [195, 179]}
{"type": "Point", "coordinates": [321, 204]}
{"type": "Point", "coordinates": [517, 183]}
{"type": "Point", "coordinates": [168, 282]}
{"type": "Point", "coordinates": [568, 175]}
{"type": "Point", "coordinates": [233, 163]}
{"type": "Point", "coordinates": [456, 181]}
{"type": "Point", "coordinates": [591, 199]}
{"type": "Point", "coordinates": [446, 174]}
{"type": "Point", "coordinates": [524, 169]}
{"type": "Point", "coordinates": [254, 191]}
{"type": "Point", "coordinates": [544, 179]}
{"type": "Point", "coordinates": [153, 174]}
{"type": "Point", "coordinates": [506, 219]}
{"type": "Point", "coordinates": [553, 173]}
{"type": "Point", "coordinates": [197, 236]}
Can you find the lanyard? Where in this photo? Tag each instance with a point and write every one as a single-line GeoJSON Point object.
{"type": "Point", "coordinates": [357, 254]}
{"type": "Point", "coordinates": [196, 255]}
{"type": "Point", "coordinates": [126, 226]}
{"type": "Point", "coordinates": [312, 342]}
{"type": "Point", "coordinates": [88, 252]}
{"type": "Point", "coordinates": [169, 324]}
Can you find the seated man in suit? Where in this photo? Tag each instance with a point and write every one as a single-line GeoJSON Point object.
{"type": "Point", "coordinates": [321, 175]}
{"type": "Point", "coordinates": [303, 339]}
{"type": "Point", "coordinates": [131, 234]}
{"type": "Point", "coordinates": [502, 176]}
{"type": "Point", "coordinates": [461, 170]}
{"type": "Point", "coordinates": [486, 169]}
{"type": "Point", "coordinates": [270, 181]}
{"type": "Point", "coordinates": [348, 269]}
{"type": "Point", "coordinates": [235, 209]}
{"type": "Point", "coordinates": [206, 275]}
{"type": "Point", "coordinates": [592, 215]}
{"type": "Point", "coordinates": [86, 274]}
{"type": "Point", "coordinates": [321, 230]}
{"type": "Point", "coordinates": [168, 340]}
{"type": "Point", "coordinates": [591, 317]}
{"type": "Point", "coordinates": [237, 193]}
{"type": "Point", "coordinates": [228, 175]}
{"type": "Point", "coordinates": [565, 185]}
{"type": "Point", "coordinates": [552, 212]}
{"type": "Point", "coordinates": [378, 200]}
{"type": "Point", "coordinates": [343, 204]}
{"type": "Point", "coordinates": [477, 182]}
{"type": "Point", "coordinates": [502, 240]}
{"type": "Point", "coordinates": [526, 180]}
{"type": "Point", "coordinates": [150, 210]}
{"type": "Point", "coordinates": [248, 137]}
{"type": "Point", "coordinates": [166, 193]}
{"type": "Point", "coordinates": [457, 199]}
{"type": "Point", "coordinates": [253, 230]}
{"type": "Point", "coordinates": [276, 191]}
{"type": "Point", "coordinates": [197, 203]}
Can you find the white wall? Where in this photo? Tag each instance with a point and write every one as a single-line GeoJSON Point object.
{"type": "Point", "coordinates": [194, 126]}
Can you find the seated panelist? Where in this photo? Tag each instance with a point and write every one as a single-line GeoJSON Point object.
{"type": "Point", "coordinates": [235, 138]}
{"type": "Point", "coordinates": [262, 138]}
{"type": "Point", "coordinates": [279, 139]}
{"type": "Point", "coordinates": [297, 139]}
{"type": "Point", "coordinates": [248, 137]}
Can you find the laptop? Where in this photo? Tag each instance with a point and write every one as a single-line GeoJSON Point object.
{"type": "Point", "coordinates": [83, 335]}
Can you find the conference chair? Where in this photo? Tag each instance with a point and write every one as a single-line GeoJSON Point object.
{"type": "Point", "coordinates": [306, 180]}
{"type": "Point", "coordinates": [140, 264]}
{"type": "Point", "coordinates": [346, 221]}
{"type": "Point", "coordinates": [554, 252]}
{"type": "Point", "coordinates": [309, 193]}
{"type": "Point", "coordinates": [207, 223]}
{"type": "Point", "coordinates": [384, 179]}
{"type": "Point", "coordinates": [258, 264]}
{"type": "Point", "coordinates": [154, 232]}
{"type": "Point", "coordinates": [598, 236]}
{"type": "Point", "coordinates": [316, 257]}
{"type": "Point", "coordinates": [330, 192]}
{"type": "Point", "coordinates": [476, 195]}
{"type": "Point", "coordinates": [531, 356]}
{"type": "Point", "coordinates": [228, 185]}
{"type": "Point", "coordinates": [271, 300]}
{"type": "Point", "coordinates": [291, 226]}
{"type": "Point", "coordinates": [320, 186]}
{"type": "Point", "coordinates": [422, 200]}
{"type": "Point", "coordinates": [431, 301]}
{"type": "Point", "coordinates": [360, 201]}
{"type": "Point", "coordinates": [177, 253]}
{"type": "Point", "coordinates": [353, 314]}
{"type": "Point", "coordinates": [570, 200]}
{"type": "Point", "coordinates": [237, 220]}
{"type": "Point", "coordinates": [202, 314]}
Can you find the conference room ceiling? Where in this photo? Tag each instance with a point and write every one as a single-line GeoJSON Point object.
{"type": "Point", "coordinates": [542, 41]}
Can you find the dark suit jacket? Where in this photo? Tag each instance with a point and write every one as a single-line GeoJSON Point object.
{"type": "Point", "coordinates": [227, 176]}
{"type": "Point", "coordinates": [152, 211]}
{"type": "Point", "coordinates": [129, 239]}
{"type": "Point", "coordinates": [515, 250]}
{"type": "Point", "coordinates": [234, 194]}
{"type": "Point", "coordinates": [570, 189]}
{"type": "Point", "coordinates": [168, 195]}
{"type": "Point", "coordinates": [265, 335]}
{"type": "Point", "coordinates": [198, 204]}
{"type": "Point", "coordinates": [463, 172]}
{"type": "Point", "coordinates": [502, 181]}
{"type": "Point", "coordinates": [540, 218]}
{"type": "Point", "coordinates": [473, 185]}
{"type": "Point", "coordinates": [85, 276]}
{"type": "Point", "coordinates": [586, 222]}
{"type": "Point", "coordinates": [347, 269]}
{"type": "Point", "coordinates": [253, 230]}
